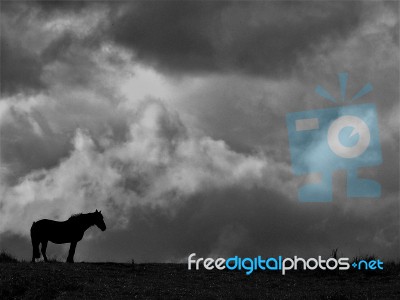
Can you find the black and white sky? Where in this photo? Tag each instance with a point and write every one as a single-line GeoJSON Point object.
{"type": "Point", "coordinates": [169, 116]}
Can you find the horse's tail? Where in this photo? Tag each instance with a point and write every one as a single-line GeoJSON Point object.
{"type": "Point", "coordinates": [35, 241]}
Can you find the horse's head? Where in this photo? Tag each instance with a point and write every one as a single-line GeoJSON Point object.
{"type": "Point", "coordinates": [98, 220]}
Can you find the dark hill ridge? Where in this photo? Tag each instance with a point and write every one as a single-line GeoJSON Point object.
{"type": "Point", "coordinates": [117, 280]}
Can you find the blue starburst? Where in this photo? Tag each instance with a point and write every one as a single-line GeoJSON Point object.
{"type": "Point", "coordinates": [343, 77]}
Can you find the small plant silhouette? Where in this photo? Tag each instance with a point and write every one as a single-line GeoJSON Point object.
{"type": "Point", "coordinates": [7, 258]}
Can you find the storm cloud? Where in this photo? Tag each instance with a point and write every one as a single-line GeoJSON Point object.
{"type": "Point", "coordinates": [20, 69]}
{"type": "Point", "coordinates": [258, 38]}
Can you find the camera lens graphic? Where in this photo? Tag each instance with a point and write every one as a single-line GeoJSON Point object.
{"type": "Point", "coordinates": [348, 136]}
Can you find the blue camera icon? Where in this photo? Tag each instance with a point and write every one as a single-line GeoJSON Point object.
{"type": "Point", "coordinates": [340, 138]}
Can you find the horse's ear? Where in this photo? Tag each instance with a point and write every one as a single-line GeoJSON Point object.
{"type": "Point", "coordinates": [100, 211]}
{"type": "Point", "coordinates": [96, 210]}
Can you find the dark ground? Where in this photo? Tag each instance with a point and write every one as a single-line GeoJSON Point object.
{"type": "Point", "coordinates": [116, 281]}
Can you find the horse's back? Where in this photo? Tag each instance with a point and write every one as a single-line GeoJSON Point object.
{"type": "Point", "coordinates": [54, 231]}
{"type": "Point", "coordinates": [46, 222]}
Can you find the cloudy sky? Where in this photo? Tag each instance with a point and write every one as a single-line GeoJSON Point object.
{"type": "Point", "coordinates": [170, 118]}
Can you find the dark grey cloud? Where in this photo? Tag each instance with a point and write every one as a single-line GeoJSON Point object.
{"type": "Point", "coordinates": [20, 69]}
{"type": "Point", "coordinates": [26, 49]}
{"type": "Point", "coordinates": [62, 5]}
{"type": "Point", "coordinates": [257, 38]}
{"type": "Point", "coordinates": [22, 159]}
{"type": "Point", "coordinates": [253, 222]}
{"type": "Point", "coordinates": [260, 38]}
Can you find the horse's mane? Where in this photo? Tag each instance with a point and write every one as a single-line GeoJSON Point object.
{"type": "Point", "coordinates": [75, 216]}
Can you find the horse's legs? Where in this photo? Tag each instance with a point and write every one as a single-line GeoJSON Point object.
{"type": "Point", "coordinates": [35, 243]}
{"type": "Point", "coordinates": [44, 246]}
{"type": "Point", "coordinates": [71, 253]}
{"type": "Point", "coordinates": [35, 250]}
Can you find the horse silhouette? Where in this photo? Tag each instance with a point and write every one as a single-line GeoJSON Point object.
{"type": "Point", "coordinates": [69, 231]}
